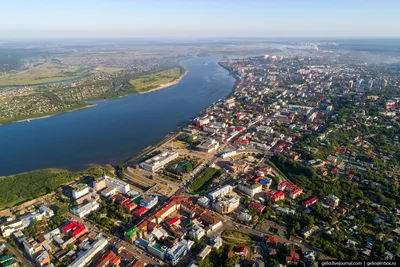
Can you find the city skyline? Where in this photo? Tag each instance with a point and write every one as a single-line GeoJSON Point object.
{"type": "Point", "coordinates": [176, 18]}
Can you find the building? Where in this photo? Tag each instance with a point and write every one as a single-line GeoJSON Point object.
{"type": "Point", "coordinates": [139, 212]}
{"type": "Point", "coordinates": [242, 251]}
{"type": "Point", "coordinates": [80, 190]}
{"type": "Point", "coordinates": [227, 205]}
{"type": "Point", "coordinates": [83, 210]}
{"type": "Point", "coordinates": [159, 161]}
{"type": "Point", "coordinates": [74, 229]}
{"type": "Point", "coordinates": [210, 222]}
{"type": "Point", "coordinates": [88, 255]}
{"type": "Point", "coordinates": [157, 250]}
{"type": "Point", "coordinates": [257, 206]}
{"type": "Point", "coordinates": [332, 200]}
{"type": "Point", "coordinates": [46, 211]}
{"type": "Point", "coordinates": [204, 202]}
{"type": "Point", "coordinates": [197, 232]}
{"type": "Point", "coordinates": [250, 189]}
{"type": "Point", "coordinates": [109, 259]}
{"type": "Point", "coordinates": [310, 201]}
{"type": "Point", "coordinates": [220, 192]}
{"type": "Point", "coordinates": [176, 252]}
{"type": "Point", "coordinates": [238, 167]}
{"type": "Point", "coordinates": [8, 261]}
{"type": "Point", "coordinates": [148, 201]}
{"type": "Point", "coordinates": [204, 253]}
{"type": "Point", "coordinates": [119, 185]}
{"type": "Point", "coordinates": [19, 236]}
{"type": "Point", "coordinates": [10, 227]}
{"type": "Point", "coordinates": [43, 258]}
{"type": "Point", "coordinates": [244, 217]}
{"type": "Point", "coordinates": [174, 221]}
{"type": "Point", "coordinates": [214, 127]}
{"type": "Point", "coordinates": [295, 193]}
{"type": "Point", "coordinates": [132, 234]}
{"type": "Point", "coordinates": [216, 241]}
{"type": "Point", "coordinates": [99, 184]}
{"type": "Point", "coordinates": [208, 145]}
{"type": "Point", "coordinates": [275, 196]}
{"type": "Point", "coordinates": [32, 247]}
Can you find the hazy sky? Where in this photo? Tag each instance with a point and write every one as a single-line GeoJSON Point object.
{"type": "Point", "coordinates": [199, 18]}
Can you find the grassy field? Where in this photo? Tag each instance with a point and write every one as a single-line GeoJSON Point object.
{"type": "Point", "coordinates": [155, 80]}
{"type": "Point", "coordinates": [44, 71]}
{"type": "Point", "coordinates": [237, 238]}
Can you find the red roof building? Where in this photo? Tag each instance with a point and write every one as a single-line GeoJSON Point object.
{"type": "Point", "coordinates": [295, 193]}
{"type": "Point", "coordinates": [129, 205]}
{"type": "Point", "coordinates": [282, 186]}
{"type": "Point", "coordinates": [109, 259]}
{"type": "Point", "coordinates": [140, 211]}
{"type": "Point", "coordinates": [242, 141]}
{"type": "Point", "coordinates": [257, 206]}
{"type": "Point", "coordinates": [174, 221]}
{"type": "Point", "coordinates": [74, 229]}
{"type": "Point", "coordinates": [293, 257]}
{"type": "Point", "coordinates": [310, 201]}
{"type": "Point", "coordinates": [275, 196]}
{"type": "Point", "coordinates": [271, 241]}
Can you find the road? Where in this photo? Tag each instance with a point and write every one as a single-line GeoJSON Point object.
{"type": "Point", "coordinates": [17, 253]}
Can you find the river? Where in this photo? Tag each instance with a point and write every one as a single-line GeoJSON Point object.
{"type": "Point", "coordinates": [113, 130]}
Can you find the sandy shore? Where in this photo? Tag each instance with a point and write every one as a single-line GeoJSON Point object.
{"type": "Point", "coordinates": [165, 85]}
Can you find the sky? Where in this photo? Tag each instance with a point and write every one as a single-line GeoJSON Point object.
{"type": "Point", "coordinates": [198, 18]}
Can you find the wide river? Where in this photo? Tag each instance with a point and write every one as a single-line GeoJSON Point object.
{"type": "Point", "coordinates": [114, 130]}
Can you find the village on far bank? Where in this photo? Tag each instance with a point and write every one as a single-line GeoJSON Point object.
{"type": "Point", "coordinates": [301, 162]}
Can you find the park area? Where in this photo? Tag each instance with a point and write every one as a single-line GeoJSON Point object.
{"type": "Point", "coordinates": [237, 238]}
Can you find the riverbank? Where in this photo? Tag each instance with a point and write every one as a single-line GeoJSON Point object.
{"type": "Point", "coordinates": [86, 104]}
{"type": "Point", "coordinates": [44, 116]}
{"type": "Point", "coordinates": [165, 85]}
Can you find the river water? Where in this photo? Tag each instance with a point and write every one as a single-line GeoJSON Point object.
{"type": "Point", "coordinates": [113, 130]}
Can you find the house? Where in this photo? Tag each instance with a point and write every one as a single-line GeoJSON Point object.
{"type": "Point", "coordinates": [271, 241]}
{"type": "Point", "coordinates": [332, 200]}
{"type": "Point", "coordinates": [295, 193]}
{"type": "Point", "coordinates": [310, 201]}
{"type": "Point", "coordinates": [275, 196]}
{"type": "Point", "coordinates": [293, 257]}
{"type": "Point", "coordinates": [257, 206]}
{"type": "Point", "coordinates": [241, 250]}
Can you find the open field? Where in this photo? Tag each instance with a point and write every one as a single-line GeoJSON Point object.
{"type": "Point", "coordinates": [45, 71]}
{"type": "Point", "coordinates": [159, 79]}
